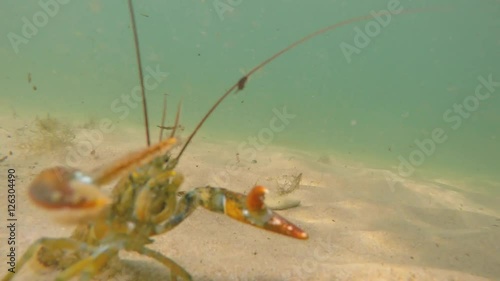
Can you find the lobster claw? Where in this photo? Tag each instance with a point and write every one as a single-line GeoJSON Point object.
{"type": "Point", "coordinates": [256, 213]}
{"type": "Point", "coordinates": [68, 194]}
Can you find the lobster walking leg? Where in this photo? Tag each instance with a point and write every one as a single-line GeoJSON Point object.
{"type": "Point", "coordinates": [52, 244]}
{"type": "Point", "coordinates": [89, 266]}
{"type": "Point", "coordinates": [249, 209]}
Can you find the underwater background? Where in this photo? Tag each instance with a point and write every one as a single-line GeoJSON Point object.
{"type": "Point", "coordinates": [403, 99]}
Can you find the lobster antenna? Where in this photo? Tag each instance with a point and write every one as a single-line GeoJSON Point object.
{"type": "Point", "coordinates": [139, 67]}
{"type": "Point", "coordinates": [238, 86]}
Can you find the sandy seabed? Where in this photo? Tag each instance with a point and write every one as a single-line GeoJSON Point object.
{"type": "Point", "coordinates": [364, 224]}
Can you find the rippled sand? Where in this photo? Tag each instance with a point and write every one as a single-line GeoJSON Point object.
{"type": "Point", "coordinates": [364, 224]}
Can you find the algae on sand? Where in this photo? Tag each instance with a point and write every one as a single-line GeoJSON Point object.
{"type": "Point", "coordinates": [288, 183]}
{"type": "Point", "coordinates": [47, 134]}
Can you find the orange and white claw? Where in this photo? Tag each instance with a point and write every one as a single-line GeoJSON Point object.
{"type": "Point", "coordinates": [268, 219]}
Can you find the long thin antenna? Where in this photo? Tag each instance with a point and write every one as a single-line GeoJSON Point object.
{"type": "Point", "coordinates": [177, 117]}
{"type": "Point", "coordinates": [139, 66]}
{"type": "Point", "coordinates": [163, 116]}
{"type": "Point", "coordinates": [238, 86]}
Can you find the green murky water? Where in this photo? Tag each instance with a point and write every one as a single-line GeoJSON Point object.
{"type": "Point", "coordinates": [399, 93]}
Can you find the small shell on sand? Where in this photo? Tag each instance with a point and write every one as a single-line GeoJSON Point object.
{"type": "Point", "coordinates": [281, 203]}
